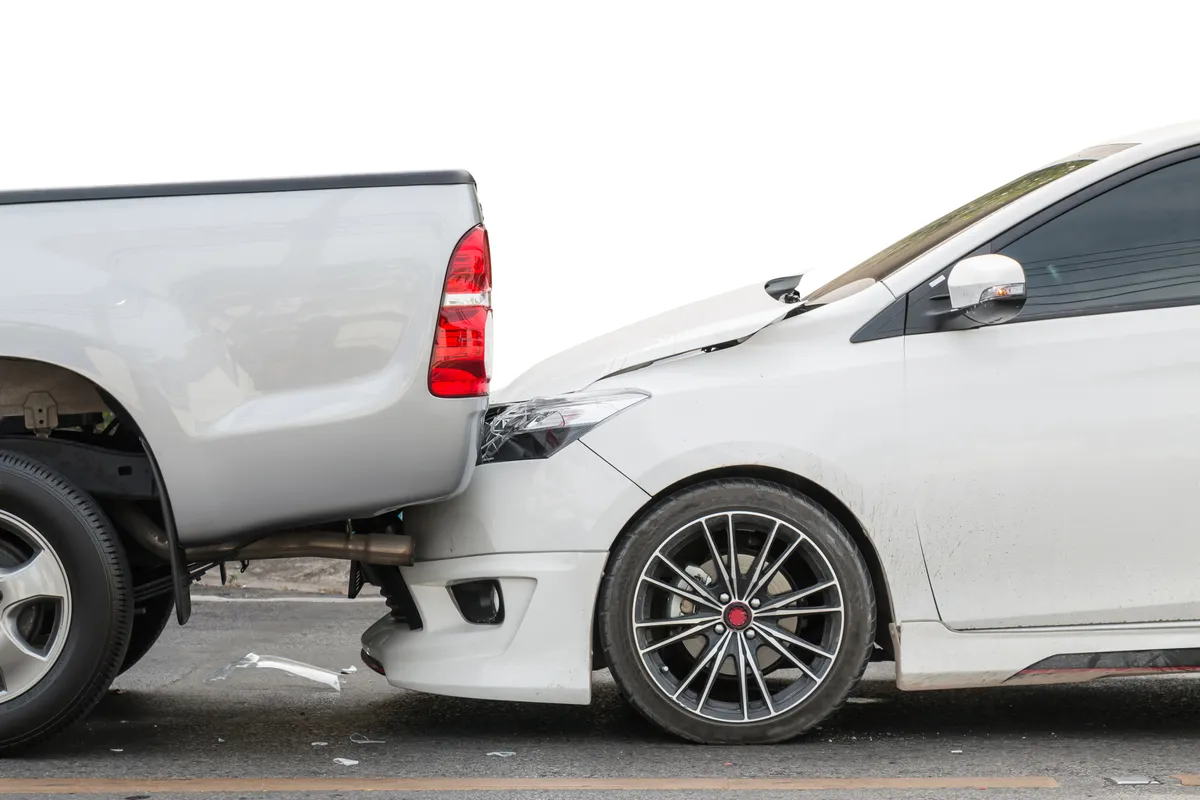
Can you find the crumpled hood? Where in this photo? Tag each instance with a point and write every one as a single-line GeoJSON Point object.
{"type": "Point", "coordinates": [715, 320]}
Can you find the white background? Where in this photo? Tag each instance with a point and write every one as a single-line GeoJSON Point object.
{"type": "Point", "coordinates": [631, 156]}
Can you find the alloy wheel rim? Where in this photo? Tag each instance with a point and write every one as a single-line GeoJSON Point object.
{"type": "Point", "coordinates": [738, 617]}
{"type": "Point", "coordinates": [35, 607]}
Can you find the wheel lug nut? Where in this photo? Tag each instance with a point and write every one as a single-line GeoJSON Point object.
{"type": "Point", "coordinates": [720, 629]}
{"type": "Point", "coordinates": [724, 598]}
{"type": "Point", "coordinates": [750, 634]}
{"type": "Point", "coordinates": [755, 603]}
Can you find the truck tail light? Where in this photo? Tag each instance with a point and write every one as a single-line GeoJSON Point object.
{"type": "Point", "coordinates": [462, 349]}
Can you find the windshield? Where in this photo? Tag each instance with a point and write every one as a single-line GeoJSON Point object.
{"type": "Point", "coordinates": [887, 261]}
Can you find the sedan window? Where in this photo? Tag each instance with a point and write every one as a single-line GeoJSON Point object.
{"type": "Point", "coordinates": [1135, 246]}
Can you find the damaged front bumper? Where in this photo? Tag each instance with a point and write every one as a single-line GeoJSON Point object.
{"type": "Point", "coordinates": [506, 582]}
{"type": "Point", "coordinates": [539, 652]}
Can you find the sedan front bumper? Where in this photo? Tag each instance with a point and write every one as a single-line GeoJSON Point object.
{"type": "Point", "coordinates": [541, 530]}
{"type": "Point", "coordinates": [540, 652]}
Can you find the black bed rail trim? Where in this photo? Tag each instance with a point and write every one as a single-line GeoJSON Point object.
{"type": "Point", "coordinates": [438, 178]}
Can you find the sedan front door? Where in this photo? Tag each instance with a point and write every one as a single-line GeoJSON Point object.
{"type": "Point", "coordinates": [1055, 458]}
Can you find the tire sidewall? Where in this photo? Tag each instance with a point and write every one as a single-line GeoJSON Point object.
{"type": "Point", "coordinates": [80, 536]}
{"type": "Point", "coordinates": [649, 533]}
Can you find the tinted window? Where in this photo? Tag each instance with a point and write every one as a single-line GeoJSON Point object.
{"type": "Point", "coordinates": [1135, 246]}
{"type": "Point", "coordinates": [890, 259]}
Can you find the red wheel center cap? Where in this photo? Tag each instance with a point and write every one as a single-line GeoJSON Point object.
{"type": "Point", "coordinates": [738, 616]}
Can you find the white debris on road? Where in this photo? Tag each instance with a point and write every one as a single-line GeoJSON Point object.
{"type": "Point", "coordinates": [1131, 780]}
{"type": "Point", "coordinates": [297, 669]}
{"type": "Point", "coordinates": [358, 738]}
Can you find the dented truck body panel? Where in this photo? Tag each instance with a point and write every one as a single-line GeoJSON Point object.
{"type": "Point", "coordinates": [271, 340]}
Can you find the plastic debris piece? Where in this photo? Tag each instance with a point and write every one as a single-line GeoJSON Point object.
{"type": "Point", "coordinates": [865, 700]}
{"type": "Point", "coordinates": [502, 753]}
{"type": "Point", "coordinates": [219, 739]}
{"type": "Point", "coordinates": [117, 749]}
{"type": "Point", "coordinates": [358, 738]}
{"type": "Point", "coordinates": [345, 762]}
{"type": "Point", "coordinates": [296, 669]}
{"type": "Point", "coordinates": [350, 670]}
{"type": "Point", "coordinates": [1131, 780]}
{"type": "Point", "coordinates": [956, 752]}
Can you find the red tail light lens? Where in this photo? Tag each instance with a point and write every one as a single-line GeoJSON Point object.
{"type": "Point", "coordinates": [461, 362]}
{"type": "Point", "coordinates": [470, 269]}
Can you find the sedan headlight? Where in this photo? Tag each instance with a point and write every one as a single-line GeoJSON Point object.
{"type": "Point", "coordinates": [541, 427]}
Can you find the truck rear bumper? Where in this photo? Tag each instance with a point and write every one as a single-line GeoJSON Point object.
{"type": "Point", "coordinates": [539, 652]}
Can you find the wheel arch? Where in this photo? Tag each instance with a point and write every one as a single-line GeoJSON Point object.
{"type": "Point", "coordinates": [30, 385]}
{"type": "Point", "coordinates": [78, 391]}
{"type": "Point", "coordinates": [819, 494]}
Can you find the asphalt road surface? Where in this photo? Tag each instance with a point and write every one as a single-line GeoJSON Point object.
{"type": "Point", "coordinates": [168, 732]}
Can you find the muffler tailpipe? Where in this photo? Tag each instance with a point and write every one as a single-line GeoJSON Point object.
{"type": "Point", "coordinates": [381, 549]}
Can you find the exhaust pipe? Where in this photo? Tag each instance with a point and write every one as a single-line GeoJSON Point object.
{"type": "Point", "coordinates": [380, 549]}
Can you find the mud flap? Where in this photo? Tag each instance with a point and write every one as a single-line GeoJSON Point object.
{"type": "Point", "coordinates": [181, 580]}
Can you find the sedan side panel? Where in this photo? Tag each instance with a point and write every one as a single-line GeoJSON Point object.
{"type": "Point", "coordinates": [795, 397]}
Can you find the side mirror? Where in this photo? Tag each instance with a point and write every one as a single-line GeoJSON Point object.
{"type": "Point", "coordinates": [987, 289]}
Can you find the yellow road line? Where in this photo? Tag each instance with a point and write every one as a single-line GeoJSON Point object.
{"type": "Point", "coordinates": [34, 786]}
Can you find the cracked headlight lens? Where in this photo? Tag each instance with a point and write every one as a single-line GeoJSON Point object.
{"type": "Point", "coordinates": [541, 427]}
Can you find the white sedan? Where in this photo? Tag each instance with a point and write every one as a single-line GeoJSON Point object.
{"type": "Point", "coordinates": [973, 454]}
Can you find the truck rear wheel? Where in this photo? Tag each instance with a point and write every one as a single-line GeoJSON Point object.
{"type": "Point", "coordinates": [65, 602]}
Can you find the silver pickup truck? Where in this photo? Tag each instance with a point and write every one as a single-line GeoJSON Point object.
{"type": "Point", "coordinates": [194, 374]}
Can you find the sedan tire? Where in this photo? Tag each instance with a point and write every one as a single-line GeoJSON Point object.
{"type": "Point", "coordinates": [754, 649]}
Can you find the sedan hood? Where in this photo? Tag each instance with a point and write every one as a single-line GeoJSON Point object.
{"type": "Point", "coordinates": [716, 320]}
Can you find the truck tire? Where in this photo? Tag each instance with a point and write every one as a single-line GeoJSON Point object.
{"type": "Point", "coordinates": [149, 621]}
{"type": "Point", "coordinates": [65, 602]}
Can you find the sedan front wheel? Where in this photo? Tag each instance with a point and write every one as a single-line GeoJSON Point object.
{"type": "Point", "coordinates": [737, 612]}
